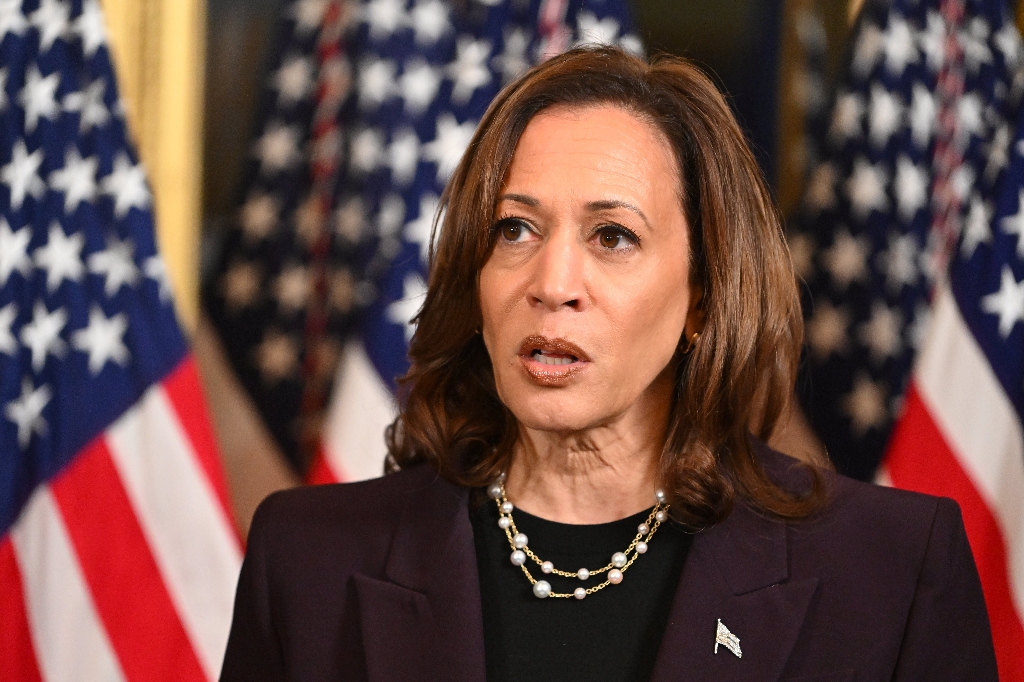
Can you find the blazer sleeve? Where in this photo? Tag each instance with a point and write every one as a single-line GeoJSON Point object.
{"type": "Point", "coordinates": [948, 635]}
{"type": "Point", "coordinates": [253, 651]}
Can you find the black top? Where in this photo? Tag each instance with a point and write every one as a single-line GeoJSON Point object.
{"type": "Point", "coordinates": [610, 635]}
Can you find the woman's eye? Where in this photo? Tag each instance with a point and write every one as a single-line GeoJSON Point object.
{"type": "Point", "coordinates": [512, 230]}
{"type": "Point", "coordinates": [615, 239]}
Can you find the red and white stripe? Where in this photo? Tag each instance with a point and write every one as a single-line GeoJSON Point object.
{"type": "Point", "coordinates": [361, 408]}
{"type": "Point", "coordinates": [123, 566]}
{"type": "Point", "coordinates": [960, 437]}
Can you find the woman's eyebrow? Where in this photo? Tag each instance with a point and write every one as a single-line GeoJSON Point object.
{"type": "Point", "coordinates": [520, 199]}
{"type": "Point", "coordinates": [607, 204]}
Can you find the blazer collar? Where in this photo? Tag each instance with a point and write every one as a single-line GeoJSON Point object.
{"type": "Point", "coordinates": [432, 594]}
{"type": "Point", "coordinates": [737, 574]}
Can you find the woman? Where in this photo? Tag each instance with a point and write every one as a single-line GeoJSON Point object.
{"type": "Point", "coordinates": [574, 492]}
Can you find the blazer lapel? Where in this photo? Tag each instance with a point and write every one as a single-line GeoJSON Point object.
{"type": "Point", "coordinates": [424, 622]}
{"type": "Point", "coordinates": [736, 573]}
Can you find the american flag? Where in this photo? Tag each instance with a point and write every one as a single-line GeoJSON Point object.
{"type": "Point", "coordinates": [961, 434]}
{"type": "Point", "coordinates": [426, 72]}
{"type": "Point", "coordinates": [919, 131]}
{"type": "Point", "coordinates": [118, 556]}
{"type": "Point", "coordinates": [285, 289]}
{"type": "Point", "coordinates": [368, 108]}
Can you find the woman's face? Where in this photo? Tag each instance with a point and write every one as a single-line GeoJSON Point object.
{"type": "Point", "coordinates": [586, 293]}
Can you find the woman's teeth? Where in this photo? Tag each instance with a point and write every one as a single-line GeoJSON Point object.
{"type": "Point", "coordinates": [540, 357]}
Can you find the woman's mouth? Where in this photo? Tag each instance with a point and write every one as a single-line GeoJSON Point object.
{"type": "Point", "coordinates": [547, 358]}
{"type": "Point", "coordinates": [552, 362]}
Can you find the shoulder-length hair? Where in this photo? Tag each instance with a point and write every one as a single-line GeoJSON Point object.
{"type": "Point", "coordinates": [739, 377]}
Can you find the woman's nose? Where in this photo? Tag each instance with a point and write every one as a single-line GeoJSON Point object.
{"type": "Point", "coordinates": [558, 276]}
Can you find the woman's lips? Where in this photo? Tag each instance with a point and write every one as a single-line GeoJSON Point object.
{"type": "Point", "coordinates": [552, 362]}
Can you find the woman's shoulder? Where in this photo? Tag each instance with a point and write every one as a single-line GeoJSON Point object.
{"type": "Point", "coordinates": [348, 514]}
{"type": "Point", "coordinates": [868, 524]}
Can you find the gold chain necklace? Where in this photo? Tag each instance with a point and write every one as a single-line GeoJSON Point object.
{"type": "Point", "coordinates": [615, 568]}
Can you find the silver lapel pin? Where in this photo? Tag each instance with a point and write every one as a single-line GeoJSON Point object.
{"type": "Point", "coordinates": [727, 639]}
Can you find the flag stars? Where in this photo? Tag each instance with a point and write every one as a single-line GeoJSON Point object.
{"type": "Point", "coordinates": [12, 20]}
{"type": "Point", "coordinates": [27, 411]}
{"type": "Point", "coordinates": [513, 60]}
{"type": "Point", "coordinates": [404, 156]}
{"type": "Point", "coordinates": [384, 17]}
{"type": "Point", "coordinates": [277, 357]}
{"type": "Point", "coordinates": [401, 312]}
{"type": "Point", "coordinates": [821, 192]}
{"type": "Point", "coordinates": [922, 116]}
{"type": "Point", "coordinates": [969, 114]}
{"type": "Point", "coordinates": [376, 82]}
{"type": "Point", "coordinates": [418, 86]}
{"type": "Point", "coordinates": [42, 335]}
{"type": "Point", "coordinates": [932, 41]}
{"type": "Point", "coordinates": [846, 259]}
{"type": "Point", "coordinates": [846, 117]}
{"type": "Point", "coordinates": [156, 270]}
{"type": "Point", "coordinates": [899, 262]}
{"type": "Point", "coordinates": [826, 330]}
{"type": "Point", "coordinates": [899, 47]}
{"type": "Point", "coordinates": [291, 289]}
{"type": "Point", "coordinates": [8, 342]}
{"type": "Point", "coordinates": [469, 70]}
{"type": "Point", "coordinates": [39, 97]}
{"type": "Point", "coordinates": [90, 105]}
{"type": "Point", "coordinates": [308, 14]}
{"type": "Point", "coordinates": [865, 405]}
{"type": "Point", "coordinates": [278, 148]}
{"type": "Point", "coordinates": [116, 265]}
{"type": "Point", "coordinates": [259, 216]}
{"type": "Point", "coordinates": [974, 42]}
{"type": "Point", "coordinates": [127, 185]}
{"type": "Point", "coordinates": [367, 150]}
{"type": "Point", "coordinates": [90, 26]}
{"type": "Point", "coordinates": [866, 188]}
{"type": "Point", "coordinates": [77, 179]}
{"type": "Point", "coordinates": [594, 31]}
{"type": "Point", "coordinates": [294, 79]}
{"type": "Point", "coordinates": [911, 188]}
{"type": "Point", "coordinates": [61, 257]}
{"type": "Point", "coordinates": [1008, 41]}
{"type": "Point", "coordinates": [241, 286]}
{"type": "Point", "coordinates": [51, 20]}
{"type": "Point", "coordinates": [103, 340]}
{"type": "Point", "coordinates": [881, 333]}
{"type": "Point", "coordinates": [977, 228]}
{"type": "Point", "coordinates": [418, 231]}
{"type": "Point", "coordinates": [21, 174]}
{"type": "Point", "coordinates": [14, 251]}
{"type": "Point", "coordinates": [870, 46]}
{"type": "Point", "coordinates": [429, 19]}
{"type": "Point", "coordinates": [885, 117]}
{"type": "Point", "coordinates": [1007, 303]}
{"type": "Point", "coordinates": [449, 144]}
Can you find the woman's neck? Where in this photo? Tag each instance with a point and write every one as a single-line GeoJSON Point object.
{"type": "Point", "coordinates": [601, 475]}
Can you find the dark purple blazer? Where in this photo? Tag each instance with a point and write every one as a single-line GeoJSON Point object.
{"type": "Point", "coordinates": [378, 581]}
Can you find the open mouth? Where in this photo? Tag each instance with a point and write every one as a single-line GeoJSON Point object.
{"type": "Point", "coordinates": [549, 358]}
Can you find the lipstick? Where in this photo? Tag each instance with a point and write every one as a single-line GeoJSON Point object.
{"type": "Point", "coordinates": [552, 362]}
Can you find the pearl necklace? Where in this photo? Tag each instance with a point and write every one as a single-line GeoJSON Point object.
{"type": "Point", "coordinates": [615, 568]}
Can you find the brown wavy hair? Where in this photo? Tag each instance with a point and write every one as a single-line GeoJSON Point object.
{"type": "Point", "coordinates": [740, 375]}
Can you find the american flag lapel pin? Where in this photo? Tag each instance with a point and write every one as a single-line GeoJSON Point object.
{"type": "Point", "coordinates": [727, 639]}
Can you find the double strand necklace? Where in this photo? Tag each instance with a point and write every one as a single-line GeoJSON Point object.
{"type": "Point", "coordinates": [615, 568]}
